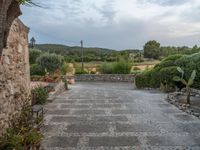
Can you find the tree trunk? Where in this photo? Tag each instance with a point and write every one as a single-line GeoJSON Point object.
{"type": "Point", "coordinates": [188, 96]}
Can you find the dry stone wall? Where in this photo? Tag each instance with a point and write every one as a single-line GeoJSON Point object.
{"type": "Point", "coordinates": [14, 73]}
{"type": "Point", "coordinates": [9, 10]}
{"type": "Point", "coordinates": [105, 77]}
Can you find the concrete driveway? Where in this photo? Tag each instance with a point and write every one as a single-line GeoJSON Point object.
{"type": "Point", "coordinates": [98, 116]}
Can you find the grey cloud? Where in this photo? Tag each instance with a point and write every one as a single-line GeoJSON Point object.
{"type": "Point", "coordinates": [191, 15]}
{"type": "Point", "coordinates": [48, 27]}
{"type": "Point", "coordinates": [108, 11]}
{"type": "Point", "coordinates": [166, 2]}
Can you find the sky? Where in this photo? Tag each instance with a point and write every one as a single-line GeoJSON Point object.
{"type": "Point", "coordinates": [115, 24]}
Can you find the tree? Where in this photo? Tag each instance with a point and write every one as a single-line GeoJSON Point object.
{"type": "Point", "coordinates": [50, 62]}
{"type": "Point", "coordinates": [188, 83]}
{"type": "Point", "coordinates": [151, 49]}
{"type": "Point", "coordinates": [33, 55]}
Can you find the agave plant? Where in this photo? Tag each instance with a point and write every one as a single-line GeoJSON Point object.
{"type": "Point", "coordinates": [188, 83]}
{"type": "Point", "coordinates": [28, 3]}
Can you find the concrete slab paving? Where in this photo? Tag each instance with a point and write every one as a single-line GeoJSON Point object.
{"type": "Point", "coordinates": [114, 116]}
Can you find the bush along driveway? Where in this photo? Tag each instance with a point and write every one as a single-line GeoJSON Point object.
{"type": "Point", "coordinates": [115, 116]}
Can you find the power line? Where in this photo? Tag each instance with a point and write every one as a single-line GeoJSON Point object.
{"type": "Point", "coordinates": [74, 43]}
{"type": "Point", "coordinates": [57, 38]}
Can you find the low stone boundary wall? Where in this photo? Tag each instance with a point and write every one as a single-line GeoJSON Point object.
{"type": "Point", "coordinates": [105, 77]}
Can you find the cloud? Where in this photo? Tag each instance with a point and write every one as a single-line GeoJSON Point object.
{"type": "Point", "coordinates": [166, 2]}
{"type": "Point", "coordinates": [115, 23]}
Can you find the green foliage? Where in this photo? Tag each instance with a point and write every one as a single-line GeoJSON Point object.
{"type": "Point", "coordinates": [37, 78]}
{"type": "Point", "coordinates": [64, 68]}
{"type": "Point", "coordinates": [120, 67]}
{"type": "Point", "coordinates": [169, 61]}
{"type": "Point", "coordinates": [167, 74]}
{"type": "Point", "coordinates": [106, 68]}
{"type": "Point", "coordinates": [33, 137]}
{"type": "Point", "coordinates": [188, 83]}
{"type": "Point", "coordinates": [39, 95]}
{"type": "Point", "coordinates": [136, 68]}
{"type": "Point", "coordinates": [143, 80]}
{"type": "Point", "coordinates": [155, 77]}
{"type": "Point", "coordinates": [23, 132]}
{"type": "Point", "coordinates": [181, 79]}
{"type": "Point", "coordinates": [90, 53]}
{"type": "Point", "coordinates": [167, 69]}
{"type": "Point", "coordinates": [23, 1]}
{"type": "Point", "coordinates": [36, 70]}
{"type": "Point", "coordinates": [151, 49]}
{"type": "Point", "coordinates": [51, 62]}
{"type": "Point", "coordinates": [12, 141]}
{"type": "Point", "coordinates": [33, 55]}
{"type": "Point", "coordinates": [66, 83]}
{"type": "Point", "coordinates": [80, 71]}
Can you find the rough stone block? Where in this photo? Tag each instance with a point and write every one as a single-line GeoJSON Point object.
{"type": "Point", "coordinates": [61, 119]}
{"type": "Point", "coordinates": [75, 106]}
{"type": "Point", "coordinates": [184, 117]}
{"type": "Point", "coordinates": [87, 128]}
{"type": "Point", "coordinates": [113, 141]}
{"type": "Point", "coordinates": [109, 118]}
{"type": "Point", "coordinates": [58, 112]}
{"type": "Point", "coordinates": [127, 111]}
{"type": "Point", "coordinates": [89, 112]}
{"type": "Point", "coordinates": [62, 142]}
{"type": "Point", "coordinates": [172, 141]}
{"type": "Point", "coordinates": [142, 127]}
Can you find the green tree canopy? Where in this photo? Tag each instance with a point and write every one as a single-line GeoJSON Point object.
{"type": "Point", "coordinates": [151, 49]}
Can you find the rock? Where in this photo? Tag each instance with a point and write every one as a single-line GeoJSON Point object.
{"type": "Point", "coordinates": [14, 76]}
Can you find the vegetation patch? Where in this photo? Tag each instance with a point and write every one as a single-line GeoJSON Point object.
{"type": "Point", "coordinates": [164, 72]}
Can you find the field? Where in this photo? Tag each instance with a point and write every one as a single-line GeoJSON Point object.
{"type": "Point", "coordinates": [96, 65]}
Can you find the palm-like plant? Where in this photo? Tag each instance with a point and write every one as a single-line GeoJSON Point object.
{"type": "Point", "coordinates": [27, 2]}
{"type": "Point", "coordinates": [188, 83]}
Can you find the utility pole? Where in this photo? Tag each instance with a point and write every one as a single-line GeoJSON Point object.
{"type": "Point", "coordinates": [82, 55]}
{"type": "Point", "coordinates": [33, 41]}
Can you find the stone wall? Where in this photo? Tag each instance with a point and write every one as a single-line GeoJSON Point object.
{"type": "Point", "coordinates": [106, 77]}
{"type": "Point", "coordinates": [14, 73]}
{"type": "Point", "coordinates": [9, 10]}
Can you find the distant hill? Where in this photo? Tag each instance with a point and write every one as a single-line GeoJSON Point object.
{"type": "Point", "coordinates": [63, 49]}
{"type": "Point", "coordinates": [90, 53]}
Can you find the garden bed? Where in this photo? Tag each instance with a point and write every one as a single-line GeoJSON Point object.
{"type": "Point", "coordinates": [179, 100]}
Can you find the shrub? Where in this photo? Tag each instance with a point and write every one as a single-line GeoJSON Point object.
{"type": "Point", "coordinates": [37, 78]}
{"type": "Point", "coordinates": [169, 61]}
{"type": "Point", "coordinates": [93, 72]}
{"type": "Point", "coordinates": [33, 55]}
{"type": "Point", "coordinates": [80, 71]}
{"type": "Point", "coordinates": [120, 67]}
{"type": "Point", "coordinates": [23, 132]}
{"type": "Point", "coordinates": [39, 95]}
{"type": "Point", "coordinates": [106, 68]}
{"type": "Point", "coordinates": [190, 63]}
{"type": "Point", "coordinates": [36, 70]}
{"type": "Point", "coordinates": [136, 68]}
{"type": "Point", "coordinates": [51, 62]}
{"type": "Point", "coordinates": [167, 74]}
{"type": "Point", "coordinates": [64, 68]}
{"type": "Point", "coordinates": [166, 70]}
{"type": "Point", "coordinates": [143, 80]}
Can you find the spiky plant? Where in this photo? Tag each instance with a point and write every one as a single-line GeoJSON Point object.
{"type": "Point", "coordinates": [27, 2]}
{"type": "Point", "coordinates": [188, 83]}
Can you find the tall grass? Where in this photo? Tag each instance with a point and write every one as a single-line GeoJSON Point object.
{"type": "Point", "coordinates": [120, 67]}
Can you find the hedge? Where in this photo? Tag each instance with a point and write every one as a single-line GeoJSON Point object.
{"type": "Point", "coordinates": [167, 69]}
